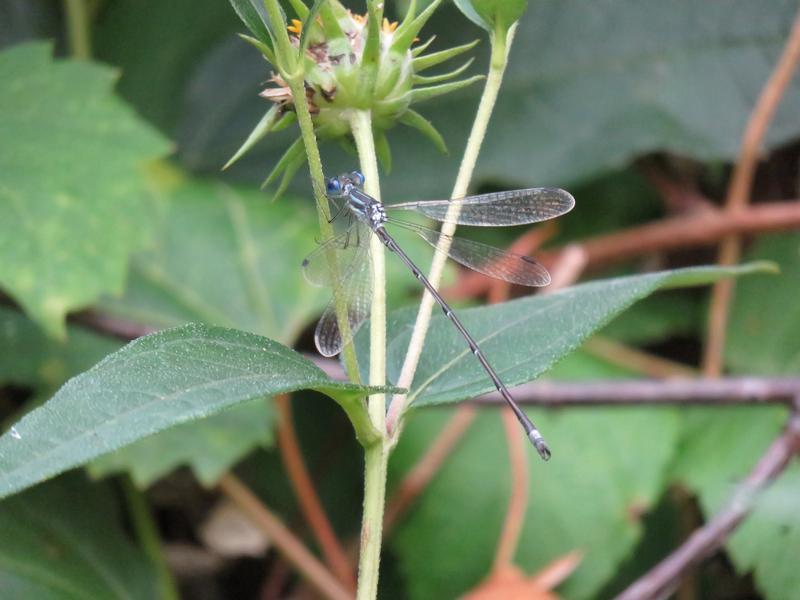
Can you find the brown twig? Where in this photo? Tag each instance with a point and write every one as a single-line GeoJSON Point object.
{"type": "Point", "coordinates": [662, 579]}
{"type": "Point", "coordinates": [113, 326]}
{"type": "Point", "coordinates": [679, 195]}
{"type": "Point", "coordinates": [739, 193]}
{"type": "Point", "coordinates": [518, 502]}
{"type": "Point", "coordinates": [284, 540]}
{"type": "Point", "coordinates": [307, 497]}
{"type": "Point", "coordinates": [701, 229]}
{"type": "Point", "coordinates": [714, 391]}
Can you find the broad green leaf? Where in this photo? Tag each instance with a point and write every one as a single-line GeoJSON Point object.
{"type": "Point", "coordinates": [525, 337]}
{"type": "Point", "coordinates": [73, 202]}
{"type": "Point", "coordinates": [65, 540]}
{"type": "Point", "coordinates": [210, 447]}
{"type": "Point", "coordinates": [225, 256]}
{"type": "Point", "coordinates": [721, 445]}
{"type": "Point", "coordinates": [657, 318]}
{"type": "Point", "coordinates": [136, 35]}
{"type": "Point", "coordinates": [154, 383]}
{"type": "Point", "coordinates": [608, 468]}
{"type": "Point", "coordinates": [28, 357]}
{"type": "Point", "coordinates": [576, 102]}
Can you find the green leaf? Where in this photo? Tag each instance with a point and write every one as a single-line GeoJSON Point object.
{"type": "Point", "coordinates": [66, 540]}
{"type": "Point", "coordinates": [577, 102]}
{"type": "Point", "coordinates": [466, 8]}
{"type": "Point", "coordinates": [211, 447]}
{"type": "Point", "coordinates": [416, 121]}
{"type": "Point", "coordinates": [154, 383]}
{"type": "Point", "coordinates": [618, 458]}
{"type": "Point", "coordinates": [423, 80]}
{"type": "Point", "coordinates": [492, 15]}
{"type": "Point", "coordinates": [405, 34]}
{"type": "Point", "coordinates": [523, 338]}
{"type": "Point", "coordinates": [427, 61]}
{"type": "Point", "coordinates": [40, 361]}
{"type": "Point", "coordinates": [265, 50]}
{"type": "Point", "coordinates": [263, 127]}
{"type": "Point", "coordinates": [215, 260]}
{"type": "Point", "coordinates": [254, 16]}
{"type": "Point", "coordinates": [176, 36]}
{"type": "Point", "coordinates": [427, 93]}
{"type": "Point", "coordinates": [722, 445]}
{"type": "Point", "coordinates": [73, 201]}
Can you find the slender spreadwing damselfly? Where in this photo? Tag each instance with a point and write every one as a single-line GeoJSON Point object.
{"type": "Point", "coordinates": [367, 216]}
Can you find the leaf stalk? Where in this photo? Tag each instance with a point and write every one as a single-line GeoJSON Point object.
{"type": "Point", "coordinates": [499, 59]}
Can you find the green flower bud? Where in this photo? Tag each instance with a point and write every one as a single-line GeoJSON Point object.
{"type": "Point", "coordinates": [337, 43]}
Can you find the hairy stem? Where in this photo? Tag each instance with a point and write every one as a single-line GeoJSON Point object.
{"type": "Point", "coordinates": [150, 541]}
{"type": "Point", "coordinates": [376, 455]}
{"type": "Point", "coordinates": [297, 86]}
{"type": "Point", "coordinates": [494, 78]}
{"type": "Point", "coordinates": [77, 14]}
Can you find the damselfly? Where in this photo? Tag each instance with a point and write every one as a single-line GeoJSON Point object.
{"type": "Point", "coordinates": [366, 215]}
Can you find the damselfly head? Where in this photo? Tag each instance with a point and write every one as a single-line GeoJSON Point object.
{"type": "Point", "coordinates": [333, 186]}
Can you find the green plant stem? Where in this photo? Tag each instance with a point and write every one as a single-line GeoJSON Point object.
{"type": "Point", "coordinates": [376, 458]}
{"type": "Point", "coordinates": [287, 57]}
{"type": "Point", "coordinates": [148, 537]}
{"type": "Point", "coordinates": [361, 126]}
{"type": "Point", "coordinates": [297, 86]}
{"type": "Point", "coordinates": [377, 455]}
{"type": "Point", "coordinates": [77, 15]}
{"type": "Point", "coordinates": [499, 59]}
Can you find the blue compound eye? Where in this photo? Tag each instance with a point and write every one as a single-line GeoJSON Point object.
{"type": "Point", "coordinates": [357, 178]}
{"type": "Point", "coordinates": [333, 186]}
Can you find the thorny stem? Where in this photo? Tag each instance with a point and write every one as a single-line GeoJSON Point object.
{"type": "Point", "coordinates": [78, 37]}
{"type": "Point", "coordinates": [376, 455]}
{"type": "Point", "coordinates": [149, 539]}
{"type": "Point", "coordinates": [491, 90]}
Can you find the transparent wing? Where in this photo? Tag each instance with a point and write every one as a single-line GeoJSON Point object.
{"type": "Point", "coordinates": [498, 209]}
{"type": "Point", "coordinates": [347, 250]}
{"type": "Point", "coordinates": [355, 292]}
{"type": "Point", "coordinates": [485, 259]}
